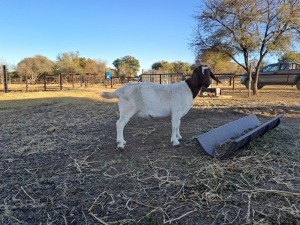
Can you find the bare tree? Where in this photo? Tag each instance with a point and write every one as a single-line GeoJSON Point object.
{"type": "Point", "coordinates": [2, 62]}
{"type": "Point", "coordinates": [247, 29]}
{"type": "Point", "coordinates": [35, 67]}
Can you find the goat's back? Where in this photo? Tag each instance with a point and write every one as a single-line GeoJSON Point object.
{"type": "Point", "coordinates": [155, 100]}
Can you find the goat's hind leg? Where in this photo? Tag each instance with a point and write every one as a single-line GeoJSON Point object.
{"type": "Point", "coordinates": [121, 123]}
{"type": "Point", "coordinates": [175, 131]}
{"type": "Point", "coordinates": [127, 110]}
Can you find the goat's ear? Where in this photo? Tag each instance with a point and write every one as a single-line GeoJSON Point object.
{"type": "Point", "coordinates": [195, 78]}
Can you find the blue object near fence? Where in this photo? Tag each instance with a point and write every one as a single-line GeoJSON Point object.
{"type": "Point", "coordinates": [107, 75]}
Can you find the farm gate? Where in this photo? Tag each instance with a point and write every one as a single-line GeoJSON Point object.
{"type": "Point", "coordinates": [167, 78]}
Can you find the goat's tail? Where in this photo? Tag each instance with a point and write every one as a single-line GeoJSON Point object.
{"type": "Point", "coordinates": [109, 94]}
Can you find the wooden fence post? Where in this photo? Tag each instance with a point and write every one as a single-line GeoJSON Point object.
{"type": "Point", "coordinates": [26, 81]}
{"type": "Point", "coordinates": [5, 79]}
{"type": "Point", "coordinates": [60, 81]}
{"type": "Point", "coordinates": [45, 83]}
{"type": "Point", "coordinates": [81, 77]}
{"type": "Point", "coordinates": [73, 85]}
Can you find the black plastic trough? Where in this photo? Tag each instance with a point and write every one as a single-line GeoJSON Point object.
{"type": "Point", "coordinates": [209, 141]}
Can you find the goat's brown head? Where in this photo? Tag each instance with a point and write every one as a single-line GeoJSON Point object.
{"type": "Point", "coordinates": [200, 78]}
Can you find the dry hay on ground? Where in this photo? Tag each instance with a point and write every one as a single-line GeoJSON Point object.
{"type": "Point", "coordinates": [59, 165]}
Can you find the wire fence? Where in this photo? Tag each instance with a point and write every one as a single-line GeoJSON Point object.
{"type": "Point", "coordinates": [62, 81]}
{"type": "Point", "coordinates": [57, 82]}
{"type": "Point", "coordinates": [227, 79]}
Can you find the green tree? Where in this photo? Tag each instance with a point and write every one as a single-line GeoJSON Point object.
{"type": "Point", "coordinates": [182, 67]}
{"type": "Point", "coordinates": [70, 62]}
{"type": "Point", "coordinates": [157, 66]}
{"type": "Point", "coordinates": [290, 56]}
{"type": "Point", "coordinates": [173, 67]}
{"type": "Point", "coordinates": [219, 62]}
{"type": "Point", "coordinates": [126, 66]}
{"type": "Point", "coordinates": [247, 28]}
{"type": "Point", "coordinates": [92, 66]}
{"type": "Point", "coordinates": [163, 67]}
{"type": "Point", "coordinates": [35, 66]}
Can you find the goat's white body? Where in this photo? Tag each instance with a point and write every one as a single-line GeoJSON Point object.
{"type": "Point", "coordinates": [152, 100]}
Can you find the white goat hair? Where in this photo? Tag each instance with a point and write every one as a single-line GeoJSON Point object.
{"type": "Point", "coordinates": [156, 100]}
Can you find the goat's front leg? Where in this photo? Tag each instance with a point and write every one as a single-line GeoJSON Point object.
{"type": "Point", "coordinates": [179, 137]}
{"type": "Point", "coordinates": [175, 131]}
{"type": "Point", "coordinates": [122, 121]}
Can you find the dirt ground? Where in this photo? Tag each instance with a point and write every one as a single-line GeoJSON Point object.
{"type": "Point", "coordinates": [59, 163]}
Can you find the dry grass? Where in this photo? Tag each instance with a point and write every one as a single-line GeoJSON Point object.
{"type": "Point", "coordinates": [58, 163]}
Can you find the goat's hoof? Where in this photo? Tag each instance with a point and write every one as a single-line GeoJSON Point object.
{"type": "Point", "coordinates": [120, 149]}
{"type": "Point", "coordinates": [177, 145]}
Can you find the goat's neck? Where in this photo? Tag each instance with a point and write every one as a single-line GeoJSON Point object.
{"type": "Point", "coordinates": [194, 88]}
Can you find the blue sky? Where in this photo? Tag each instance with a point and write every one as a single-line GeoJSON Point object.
{"type": "Point", "coordinates": [150, 31]}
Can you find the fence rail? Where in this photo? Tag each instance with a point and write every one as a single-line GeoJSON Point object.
{"type": "Point", "coordinates": [232, 79]}
{"type": "Point", "coordinates": [61, 81]}
{"type": "Point", "coordinates": [168, 78]}
{"type": "Point", "coordinates": [57, 82]}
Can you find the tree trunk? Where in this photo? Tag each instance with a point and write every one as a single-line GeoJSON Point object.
{"type": "Point", "coordinates": [255, 89]}
{"type": "Point", "coordinates": [250, 85]}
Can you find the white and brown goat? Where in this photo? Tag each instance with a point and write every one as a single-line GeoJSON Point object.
{"type": "Point", "coordinates": [155, 100]}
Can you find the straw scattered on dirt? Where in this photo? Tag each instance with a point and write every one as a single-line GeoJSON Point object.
{"type": "Point", "coordinates": [59, 164]}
